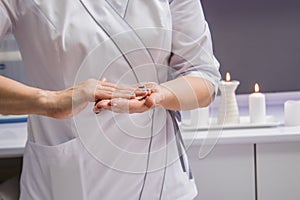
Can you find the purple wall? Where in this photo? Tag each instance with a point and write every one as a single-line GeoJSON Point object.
{"type": "Point", "coordinates": [257, 41]}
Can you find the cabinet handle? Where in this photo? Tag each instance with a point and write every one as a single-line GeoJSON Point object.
{"type": "Point", "coordinates": [2, 66]}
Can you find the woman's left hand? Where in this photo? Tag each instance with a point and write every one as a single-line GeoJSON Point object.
{"type": "Point", "coordinates": [155, 95]}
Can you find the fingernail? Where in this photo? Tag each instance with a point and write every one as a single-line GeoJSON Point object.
{"type": "Point", "coordinates": [146, 89]}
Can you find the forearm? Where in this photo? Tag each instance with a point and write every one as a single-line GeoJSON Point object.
{"type": "Point", "coordinates": [187, 93]}
{"type": "Point", "coordinates": [17, 98]}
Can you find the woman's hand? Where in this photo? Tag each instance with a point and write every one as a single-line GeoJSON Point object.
{"type": "Point", "coordinates": [155, 94]}
{"type": "Point", "coordinates": [66, 103]}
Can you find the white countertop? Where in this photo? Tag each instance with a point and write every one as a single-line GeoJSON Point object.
{"type": "Point", "coordinates": [244, 136]}
{"type": "Point", "coordinates": [278, 133]}
{"type": "Point", "coordinates": [13, 136]}
{"type": "Point", "coordinates": [10, 56]}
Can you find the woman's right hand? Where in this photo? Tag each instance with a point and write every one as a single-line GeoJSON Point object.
{"type": "Point", "coordinates": [66, 103]}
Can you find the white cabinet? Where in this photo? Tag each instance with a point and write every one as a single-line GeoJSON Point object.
{"type": "Point", "coordinates": [227, 173]}
{"type": "Point", "coordinates": [278, 171]}
{"type": "Point", "coordinates": [11, 64]}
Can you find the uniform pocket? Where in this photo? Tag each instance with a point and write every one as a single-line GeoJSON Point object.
{"type": "Point", "coordinates": [53, 172]}
{"type": "Point", "coordinates": [62, 147]}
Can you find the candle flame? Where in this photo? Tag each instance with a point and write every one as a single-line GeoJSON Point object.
{"type": "Point", "coordinates": [256, 88]}
{"type": "Point", "coordinates": [228, 78]}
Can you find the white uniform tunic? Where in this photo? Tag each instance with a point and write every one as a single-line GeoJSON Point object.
{"type": "Point", "coordinates": [107, 156]}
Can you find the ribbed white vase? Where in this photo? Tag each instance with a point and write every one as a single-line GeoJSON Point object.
{"type": "Point", "coordinates": [228, 109]}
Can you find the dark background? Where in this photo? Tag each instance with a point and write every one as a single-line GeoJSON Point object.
{"type": "Point", "coordinates": [257, 41]}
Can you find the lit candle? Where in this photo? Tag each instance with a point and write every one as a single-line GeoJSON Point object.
{"type": "Point", "coordinates": [228, 78]}
{"type": "Point", "coordinates": [228, 110]}
{"type": "Point", "coordinates": [257, 106]}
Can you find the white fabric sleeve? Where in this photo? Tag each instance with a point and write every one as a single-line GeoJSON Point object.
{"type": "Point", "coordinates": [7, 16]}
{"type": "Point", "coordinates": [192, 52]}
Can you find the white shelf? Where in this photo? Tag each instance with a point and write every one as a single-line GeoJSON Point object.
{"type": "Point", "coordinates": [13, 136]}
{"type": "Point", "coordinates": [10, 56]}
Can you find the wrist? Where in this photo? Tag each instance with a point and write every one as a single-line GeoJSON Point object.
{"type": "Point", "coordinates": [168, 99]}
{"type": "Point", "coordinates": [44, 102]}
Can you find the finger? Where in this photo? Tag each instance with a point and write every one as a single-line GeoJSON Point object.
{"type": "Point", "coordinates": [107, 84]}
{"type": "Point", "coordinates": [111, 106]}
{"type": "Point", "coordinates": [123, 94]}
{"type": "Point", "coordinates": [122, 106]}
{"type": "Point", "coordinates": [103, 79]}
{"type": "Point", "coordinates": [99, 96]}
{"type": "Point", "coordinates": [109, 93]}
{"type": "Point", "coordinates": [97, 110]}
{"type": "Point", "coordinates": [137, 107]}
{"type": "Point", "coordinates": [116, 86]}
{"type": "Point", "coordinates": [118, 90]}
{"type": "Point", "coordinates": [142, 93]}
{"type": "Point", "coordinates": [140, 98]}
{"type": "Point", "coordinates": [105, 88]}
{"type": "Point", "coordinates": [149, 102]}
{"type": "Point", "coordinates": [103, 104]}
{"type": "Point", "coordinates": [100, 106]}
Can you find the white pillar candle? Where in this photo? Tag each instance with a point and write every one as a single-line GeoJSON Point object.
{"type": "Point", "coordinates": [228, 110]}
{"type": "Point", "coordinates": [257, 106]}
{"type": "Point", "coordinates": [292, 113]}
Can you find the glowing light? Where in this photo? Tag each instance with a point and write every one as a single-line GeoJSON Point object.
{"type": "Point", "coordinates": [256, 88]}
{"type": "Point", "coordinates": [228, 78]}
